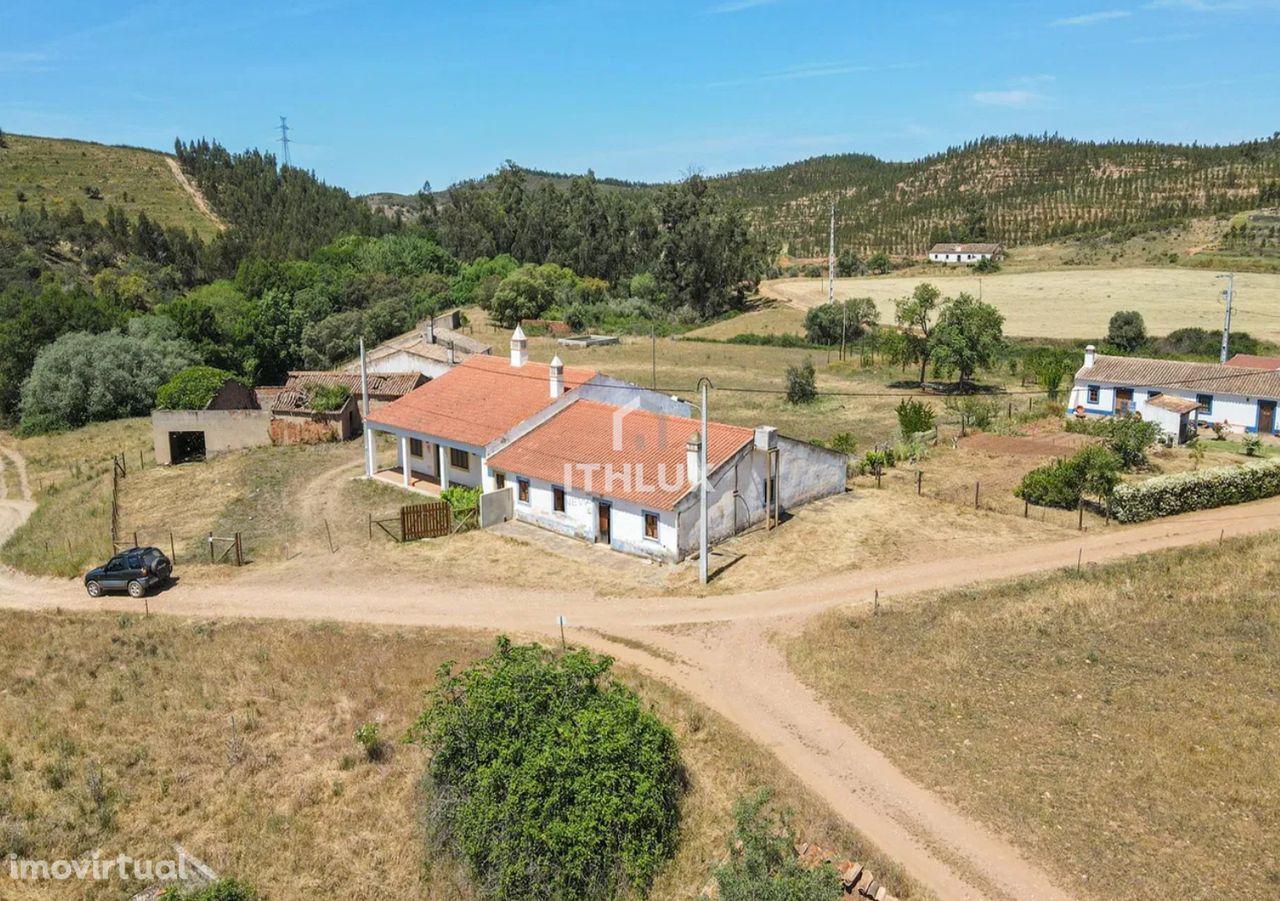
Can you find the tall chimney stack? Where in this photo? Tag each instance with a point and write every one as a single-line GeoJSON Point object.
{"type": "Point", "coordinates": [1090, 354]}
{"type": "Point", "coordinates": [557, 376]}
{"type": "Point", "coordinates": [519, 348]}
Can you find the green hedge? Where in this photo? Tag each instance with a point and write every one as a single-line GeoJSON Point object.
{"type": "Point", "coordinates": [1200, 490]}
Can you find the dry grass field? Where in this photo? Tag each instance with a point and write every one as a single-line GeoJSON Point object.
{"type": "Point", "coordinates": [1076, 303]}
{"type": "Point", "coordinates": [235, 739]}
{"type": "Point", "coordinates": [1123, 725]}
{"type": "Point", "coordinates": [765, 317]}
{"type": "Point", "coordinates": [55, 172]}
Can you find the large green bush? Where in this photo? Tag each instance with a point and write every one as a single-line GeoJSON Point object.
{"type": "Point", "coordinates": [914, 417]}
{"type": "Point", "coordinates": [845, 320]}
{"type": "Point", "coordinates": [1200, 490]}
{"type": "Point", "coordinates": [548, 777]}
{"type": "Point", "coordinates": [192, 388]}
{"type": "Point", "coordinates": [762, 864]}
{"type": "Point", "coordinates": [1094, 470]}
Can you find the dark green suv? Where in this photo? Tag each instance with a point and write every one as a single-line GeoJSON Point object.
{"type": "Point", "coordinates": [135, 571]}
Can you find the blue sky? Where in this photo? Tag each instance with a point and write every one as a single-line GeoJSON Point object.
{"type": "Point", "coordinates": [384, 95]}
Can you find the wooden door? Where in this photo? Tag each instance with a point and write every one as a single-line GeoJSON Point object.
{"type": "Point", "coordinates": [1266, 417]}
{"type": "Point", "coordinates": [1124, 400]}
{"type": "Point", "coordinates": [604, 522]}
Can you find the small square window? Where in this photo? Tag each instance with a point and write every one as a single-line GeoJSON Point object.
{"type": "Point", "coordinates": [1094, 394]}
{"type": "Point", "coordinates": [415, 447]}
{"type": "Point", "coordinates": [651, 526]}
{"type": "Point", "coordinates": [557, 499]}
{"type": "Point", "coordinates": [459, 459]}
{"type": "Point", "coordinates": [500, 480]}
{"type": "Point", "coordinates": [1205, 401]}
{"type": "Point", "coordinates": [522, 490]}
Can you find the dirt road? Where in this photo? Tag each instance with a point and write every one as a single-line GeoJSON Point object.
{"type": "Point", "coordinates": [196, 195]}
{"type": "Point", "coordinates": [719, 650]}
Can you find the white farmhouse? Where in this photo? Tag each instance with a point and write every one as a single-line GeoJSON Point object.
{"type": "Point", "coordinates": [1176, 394]}
{"type": "Point", "coordinates": [580, 453]}
{"type": "Point", "coordinates": [964, 254]}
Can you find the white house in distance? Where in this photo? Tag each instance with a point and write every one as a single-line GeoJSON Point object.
{"type": "Point", "coordinates": [586, 455]}
{"type": "Point", "coordinates": [432, 349]}
{"type": "Point", "coordinates": [964, 254]}
{"type": "Point", "coordinates": [1177, 394]}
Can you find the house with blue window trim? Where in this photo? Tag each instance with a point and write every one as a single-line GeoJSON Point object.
{"type": "Point", "coordinates": [1178, 395]}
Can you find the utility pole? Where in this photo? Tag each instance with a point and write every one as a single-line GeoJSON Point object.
{"type": "Point", "coordinates": [1228, 295]}
{"type": "Point", "coordinates": [364, 395]}
{"type": "Point", "coordinates": [831, 258]}
{"type": "Point", "coordinates": [703, 548]}
{"type": "Point", "coordinates": [284, 142]}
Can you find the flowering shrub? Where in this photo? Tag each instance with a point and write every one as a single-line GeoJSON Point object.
{"type": "Point", "coordinates": [1199, 490]}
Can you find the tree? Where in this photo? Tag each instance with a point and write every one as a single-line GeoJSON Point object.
{"type": "Point", "coordinates": [844, 320]}
{"type": "Point", "coordinates": [83, 378]}
{"type": "Point", "coordinates": [191, 388]}
{"type": "Point", "coordinates": [914, 416]}
{"type": "Point", "coordinates": [1127, 331]}
{"type": "Point", "coordinates": [1050, 366]}
{"type": "Point", "coordinates": [848, 264]}
{"type": "Point", "coordinates": [916, 314]}
{"type": "Point", "coordinates": [1129, 437]}
{"type": "Point", "coordinates": [548, 777]}
{"type": "Point", "coordinates": [968, 336]}
{"type": "Point", "coordinates": [879, 263]}
{"type": "Point", "coordinates": [762, 863]}
{"type": "Point", "coordinates": [802, 383]}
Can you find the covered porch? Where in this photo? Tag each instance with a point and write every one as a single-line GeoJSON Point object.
{"type": "Point", "coordinates": [422, 462]}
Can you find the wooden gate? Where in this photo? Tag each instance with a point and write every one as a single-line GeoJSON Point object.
{"type": "Point", "coordinates": [425, 521]}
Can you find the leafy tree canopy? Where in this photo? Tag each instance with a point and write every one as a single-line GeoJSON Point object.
{"type": "Point", "coordinates": [1127, 331]}
{"type": "Point", "coordinates": [548, 777]}
{"type": "Point", "coordinates": [969, 335]}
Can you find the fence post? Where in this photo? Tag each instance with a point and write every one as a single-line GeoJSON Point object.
{"type": "Point", "coordinates": [371, 527]}
{"type": "Point", "coordinates": [210, 547]}
{"type": "Point", "coordinates": [135, 538]}
{"type": "Point", "coordinates": [1080, 522]}
{"type": "Point", "coordinates": [173, 555]}
{"type": "Point", "coordinates": [1026, 508]}
{"type": "Point", "coordinates": [328, 535]}
{"type": "Point", "coordinates": [919, 481]}
{"type": "Point", "coordinates": [976, 487]}
{"type": "Point", "coordinates": [239, 551]}
{"type": "Point", "coordinates": [1011, 409]}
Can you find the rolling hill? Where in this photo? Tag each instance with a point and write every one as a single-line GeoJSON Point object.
{"type": "Point", "coordinates": [1017, 190]}
{"type": "Point", "coordinates": [56, 171]}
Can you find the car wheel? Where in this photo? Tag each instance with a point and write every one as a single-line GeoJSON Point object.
{"type": "Point", "coordinates": [94, 589]}
{"type": "Point", "coordinates": [136, 590]}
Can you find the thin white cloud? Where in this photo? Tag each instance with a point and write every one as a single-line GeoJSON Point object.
{"type": "Point", "coordinates": [797, 73]}
{"type": "Point", "coordinates": [1016, 99]}
{"type": "Point", "coordinates": [1215, 6]}
{"type": "Point", "coordinates": [1105, 15]}
{"type": "Point", "coordinates": [737, 6]}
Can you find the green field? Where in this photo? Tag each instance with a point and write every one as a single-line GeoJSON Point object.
{"type": "Point", "coordinates": [1075, 303]}
{"type": "Point", "coordinates": [55, 172]}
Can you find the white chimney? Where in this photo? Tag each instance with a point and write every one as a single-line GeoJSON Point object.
{"type": "Point", "coordinates": [431, 330]}
{"type": "Point", "coordinates": [519, 348]}
{"type": "Point", "coordinates": [557, 376]}
{"type": "Point", "coordinates": [1090, 354]}
{"type": "Point", "coordinates": [692, 451]}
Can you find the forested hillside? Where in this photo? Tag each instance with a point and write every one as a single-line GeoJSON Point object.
{"type": "Point", "coordinates": [56, 173]}
{"type": "Point", "coordinates": [1015, 190]}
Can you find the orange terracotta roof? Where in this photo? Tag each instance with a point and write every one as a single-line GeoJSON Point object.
{"type": "Point", "coordinates": [1252, 361]}
{"type": "Point", "coordinates": [477, 401]}
{"type": "Point", "coordinates": [647, 465]}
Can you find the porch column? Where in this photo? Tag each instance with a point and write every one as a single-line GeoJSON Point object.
{"type": "Point", "coordinates": [404, 460]}
{"type": "Point", "coordinates": [444, 467]}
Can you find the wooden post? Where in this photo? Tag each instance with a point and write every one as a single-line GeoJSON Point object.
{"type": "Point", "coordinates": [976, 488]}
{"type": "Point", "coordinates": [1080, 512]}
{"type": "Point", "coordinates": [239, 551]}
{"type": "Point", "coordinates": [173, 555]}
{"type": "Point", "coordinates": [135, 538]}
{"type": "Point", "coordinates": [210, 547]}
{"type": "Point", "coordinates": [1080, 560]}
{"type": "Point", "coordinates": [919, 481]}
{"type": "Point", "coordinates": [875, 604]}
{"type": "Point", "coordinates": [1011, 409]}
{"type": "Point", "coordinates": [879, 470]}
{"type": "Point", "coordinates": [1026, 508]}
{"type": "Point", "coordinates": [371, 527]}
{"type": "Point", "coordinates": [141, 464]}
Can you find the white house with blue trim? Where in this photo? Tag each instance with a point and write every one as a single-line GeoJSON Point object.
{"type": "Point", "coordinates": [1178, 395]}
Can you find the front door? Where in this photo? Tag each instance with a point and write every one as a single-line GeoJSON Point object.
{"type": "Point", "coordinates": [604, 522]}
{"type": "Point", "coordinates": [1266, 417]}
{"type": "Point", "coordinates": [1124, 400]}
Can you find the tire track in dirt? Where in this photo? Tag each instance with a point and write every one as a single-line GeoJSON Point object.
{"type": "Point", "coordinates": [196, 195]}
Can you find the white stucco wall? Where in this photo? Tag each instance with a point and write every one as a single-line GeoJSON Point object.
{"type": "Point", "coordinates": [402, 361]}
{"type": "Point", "coordinates": [1239, 411]}
{"type": "Point", "coordinates": [579, 519]}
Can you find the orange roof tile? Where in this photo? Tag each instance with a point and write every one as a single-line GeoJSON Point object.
{"type": "Point", "coordinates": [477, 401]}
{"type": "Point", "coordinates": [646, 467]}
